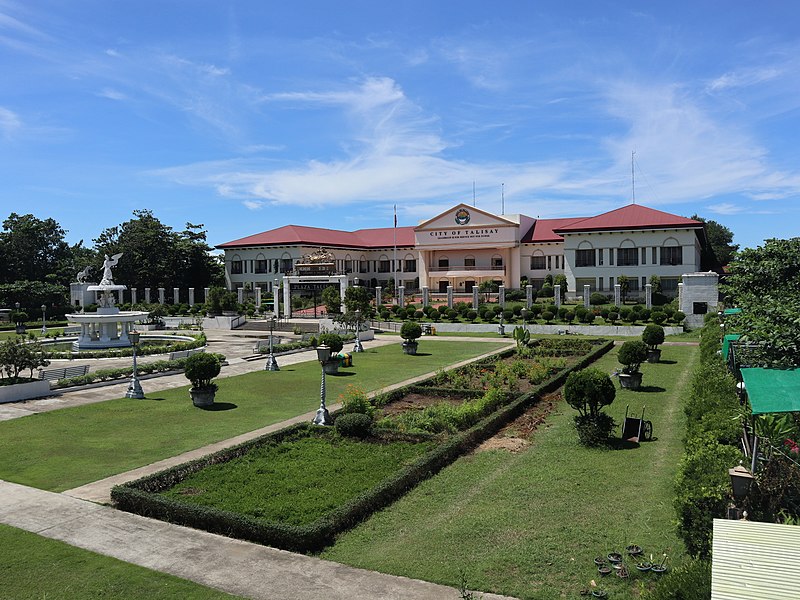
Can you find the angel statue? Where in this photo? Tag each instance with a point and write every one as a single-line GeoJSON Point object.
{"type": "Point", "coordinates": [107, 264]}
{"type": "Point", "coordinates": [83, 275]}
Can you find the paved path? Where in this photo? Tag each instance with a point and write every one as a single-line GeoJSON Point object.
{"type": "Point", "coordinates": [237, 567]}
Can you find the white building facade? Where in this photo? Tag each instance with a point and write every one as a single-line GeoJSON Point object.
{"type": "Point", "coordinates": [465, 246]}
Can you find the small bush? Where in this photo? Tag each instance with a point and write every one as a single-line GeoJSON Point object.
{"type": "Point", "coordinates": [598, 299]}
{"type": "Point", "coordinates": [201, 368]}
{"type": "Point", "coordinates": [548, 316]}
{"type": "Point", "coordinates": [472, 315]}
{"type": "Point", "coordinates": [691, 581]}
{"type": "Point", "coordinates": [632, 354]}
{"type": "Point", "coordinates": [355, 400]}
{"type": "Point", "coordinates": [333, 341]}
{"type": "Point", "coordinates": [357, 425]}
{"type": "Point", "coordinates": [410, 331]}
{"type": "Point", "coordinates": [653, 336]}
{"type": "Point", "coordinates": [658, 317]}
{"type": "Point", "coordinates": [594, 431]}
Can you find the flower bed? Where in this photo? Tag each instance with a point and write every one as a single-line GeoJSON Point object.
{"type": "Point", "coordinates": [146, 496]}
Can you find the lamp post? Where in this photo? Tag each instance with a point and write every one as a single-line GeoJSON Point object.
{"type": "Point", "coordinates": [358, 347]}
{"type": "Point", "coordinates": [44, 319]}
{"type": "Point", "coordinates": [272, 364]}
{"type": "Point", "coordinates": [501, 329]}
{"type": "Point", "coordinates": [322, 417]}
{"type": "Point", "coordinates": [134, 388]}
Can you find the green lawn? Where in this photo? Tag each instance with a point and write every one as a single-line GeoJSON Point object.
{"type": "Point", "coordinates": [63, 449]}
{"type": "Point", "coordinates": [38, 568]}
{"type": "Point", "coordinates": [529, 524]}
{"type": "Point", "coordinates": [289, 483]}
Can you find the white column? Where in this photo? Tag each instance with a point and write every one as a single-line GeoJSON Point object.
{"type": "Point", "coordinates": [475, 298]}
{"type": "Point", "coordinates": [557, 295]}
{"type": "Point", "coordinates": [176, 295]}
{"type": "Point", "coordinates": [586, 289]}
{"type": "Point", "coordinates": [147, 295]}
{"type": "Point", "coordinates": [528, 295]}
{"type": "Point", "coordinates": [426, 298]}
{"type": "Point", "coordinates": [377, 295]}
{"type": "Point", "coordinates": [502, 296]}
{"type": "Point", "coordinates": [133, 295]}
{"type": "Point", "coordinates": [161, 295]}
{"type": "Point", "coordinates": [205, 294]}
{"type": "Point", "coordinates": [401, 295]}
{"type": "Point", "coordinates": [449, 296]}
{"type": "Point", "coordinates": [617, 294]}
{"type": "Point", "coordinates": [648, 295]}
{"type": "Point", "coordinates": [191, 296]}
{"type": "Point", "coordinates": [240, 295]}
{"type": "Point", "coordinates": [258, 297]}
{"type": "Point", "coordinates": [287, 306]}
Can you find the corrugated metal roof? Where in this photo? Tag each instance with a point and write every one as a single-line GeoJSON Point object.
{"type": "Point", "coordinates": [632, 216]}
{"type": "Point", "coordinates": [755, 561]}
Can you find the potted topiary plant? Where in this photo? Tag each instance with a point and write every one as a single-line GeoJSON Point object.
{"type": "Point", "coordinates": [200, 369]}
{"type": "Point", "coordinates": [653, 335]}
{"type": "Point", "coordinates": [588, 391]}
{"type": "Point", "coordinates": [335, 342]}
{"type": "Point", "coordinates": [19, 317]}
{"type": "Point", "coordinates": [410, 332]}
{"type": "Point", "coordinates": [631, 355]}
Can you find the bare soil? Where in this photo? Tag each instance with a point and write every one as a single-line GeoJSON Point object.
{"type": "Point", "coordinates": [417, 402]}
{"type": "Point", "coordinates": [516, 436]}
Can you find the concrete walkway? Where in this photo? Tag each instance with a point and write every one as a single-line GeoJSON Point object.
{"type": "Point", "coordinates": [233, 566]}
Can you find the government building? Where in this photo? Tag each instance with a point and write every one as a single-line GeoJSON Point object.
{"type": "Point", "coordinates": [465, 246]}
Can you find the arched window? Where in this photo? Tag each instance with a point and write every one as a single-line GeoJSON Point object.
{"type": "Point", "coordinates": [469, 262]}
{"type": "Point", "coordinates": [627, 254]}
{"type": "Point", "coordinates": [497, 261]}
{"type": "Point", "coordinates": [261, 263]}
{"type": "Point", "coordinates": [409, 264]}
{"type": "Point", "coordinates": [348, 263]}
{"type": "Point", "coordinates": [585, 256]}
{"type": "Point", "coordinates": [287, 264]}
{"type": "Point", "coordinates": [671, 252]}
{"type": "Point", "coordinates": [236, 265]}
{"type": "Point", "coordinates": [538, 261]}
{"type": "Point", "coordinates": [444, 262]}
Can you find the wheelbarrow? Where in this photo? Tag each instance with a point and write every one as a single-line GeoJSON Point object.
{"type": "Point", "coordinates": [636, 430]}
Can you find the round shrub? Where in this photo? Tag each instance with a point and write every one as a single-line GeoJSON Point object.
{"type": "Point", "coordinates": [401, 313]}
{"type": "Point", "coordinates": [548, 315]}
{"type": "Point", "coordinates": [508, 315]}
{"type": "Point", "coordinates": [569, 316]}
{"type": "Point", "coordinates": [201, 368]}
{"type": "Point", "coordinates": [333, 341]}
{"type": "Point", "coordinates": [658, 317]}
{"type": "Point", "coordinates": [632, 354]}
{"type": "Point", "coordinates": [653, 335]}
{"type": "Point", "coordinates": [385, 314]}
{"type": "Point", "coordinates": [589, 390]}
{"type": "Point", "coordinates": [418, 314]}
{"type": "Point", "coordinates": [434, 314]}
{"type": "Point", "coordinates": [598, 299]}
{"type": "Point", "coordinates": [580, 312]}
{"type": "Point", "coordinates": [613, 316]}
{"type": "Point", "coordinates": [410, 330]}
{"type": "Point", "coordinates": [536, 310]}
{"type": "Point", "coordinates": [594, 431]}
{"type": "Point", "coordinates": [472, 315]}
{"type": "Point", "coordinates": [517, 310]}
{"type": "Point", "coordinates": [547, 291]}
{"type": "Point", "coordinates": [452, 314]}
{"type": "Point", "coordinates": [357, 425]}
{"type": "Point", "coordinates": [497, 309]}
{"type": "Point", "coordinates": [637, 308]}
{"type": "Point", "coordinates": [678, 317]}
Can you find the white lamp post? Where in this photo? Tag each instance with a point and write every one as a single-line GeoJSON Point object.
{"type": "Point", "coordinates": [44, 319]}
{"type": "Point", "coordinates": [134, 388]}
{"type": "Point", "coordinates": [272, 364]}
{"type": "Point", "coordinates": [322, 417]}
{"type": "Point", "coordinates": [358, 347]}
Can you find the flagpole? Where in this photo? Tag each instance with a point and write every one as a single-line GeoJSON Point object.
{"type": "Point", "coordinates": [394, 258]}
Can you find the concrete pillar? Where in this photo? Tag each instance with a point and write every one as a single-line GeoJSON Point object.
{"type": "Point", "coordinates": [475, 298]}
{"type": "Point", "coordinates": [648, 295]}
{"type": "Point", "coordinates": [147, 295]}
{"type": "Point", "coordinates": [401, 295]}
{"type": "Point", "coordinates": [176, 295]}
{"type": "Point", "coordinates": [258, 297]}
{"type": "Point", "coordinates": [586, 294]}
{"type": "Point", "coordinates": [557, 295]}
{"type": "Point", "coordinates": [276, 304]}
{"type": "Point", "coordinates": [191, 296]}
{"type": "Point", "coordinates": [528, 296]}
{"type": "Point", "coordinates": [449, 296]}
{"type": "Point", "coordinates": [617, 295]}
{"type": "Point", "coordinates": [205, 294]}
{"type": "Point", "coordinates": [680, 296]}
{"type": "Point", "coordinates": [426, 296]}
{"type": "Point", "coordinates": [502, 296]}
{"type": "Point", "coordinates": [240, 295]}
{"type": "Point", "coordinates": [161, 295]}
{"type": "Point", "coordinates": [287, 306]}
{"type": "Point", "coordinates": [378, 295]}
{"type": "Point", "coordinates": [133, 295]}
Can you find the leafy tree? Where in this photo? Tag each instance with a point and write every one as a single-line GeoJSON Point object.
{"type": "Point", "coordinates": [35, 250]}
{"type": "Point", "coordinates": [718, 249]}
{"type": "Point", "coordinates": [765, 283]}
{"type": "Point", "coordinates": [156, 256]}
{"type": "Point", "coordinates": [624, 286]}
{"type": "Point", "coordinates": [332, 300]}
{"type": "Point", "coordinates": [17, 355]}
{"type": "Point", "coordinates": [357, 298]}
{"type": "Point", "coordinates": [561, 280]}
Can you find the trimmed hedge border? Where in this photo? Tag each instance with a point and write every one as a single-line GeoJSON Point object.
{"type": "Point", "coordinates": [142, 496]}
{"type": "Point", "coordinates": [198, 342]}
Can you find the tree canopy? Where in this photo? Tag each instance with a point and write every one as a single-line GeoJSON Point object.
{"type": "Point", "coordinates": [765, 283]}
{"type": "Point", "coordinates": [719, 248]}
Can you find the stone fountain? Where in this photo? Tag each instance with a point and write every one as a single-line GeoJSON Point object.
{"type": "Point", "coordinates": [109, 326]}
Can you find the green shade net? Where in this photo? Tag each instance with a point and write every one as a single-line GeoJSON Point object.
{"type": "Point", "coordinates": [726, 343]}
{"type": "Point", "coordinates": [772, 390]}
{"type": "Point", "coordinates": [732, 311]}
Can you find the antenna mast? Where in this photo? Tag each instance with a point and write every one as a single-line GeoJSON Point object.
{"type": "Point", "coordinates": [473, 193]}
{"type": "Point", "coordinates": [502, 198]}
{"type": "Point", "coordinates": [633, 178]}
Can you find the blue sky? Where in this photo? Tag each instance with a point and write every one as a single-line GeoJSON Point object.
{"type": "Point", "coordinates": [250, 115]}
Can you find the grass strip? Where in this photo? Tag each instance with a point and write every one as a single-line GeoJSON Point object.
{"type": "Point", "coordinates": [66, 448]}
{"type": "Point", "coordinates": [35, 567]}
{"type": "Point", "coordinates": [529, 524]}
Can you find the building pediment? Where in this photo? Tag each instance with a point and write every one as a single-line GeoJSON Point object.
{"type": "Point", "coordinates": [463, 215]}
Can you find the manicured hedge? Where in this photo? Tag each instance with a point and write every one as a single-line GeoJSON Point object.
{"type": "Point", "coordinates": [142, 350]}
{"type": "Point", "coordinates": [712, 436]}
{"type": "Point", "coordinates": [142, 496]}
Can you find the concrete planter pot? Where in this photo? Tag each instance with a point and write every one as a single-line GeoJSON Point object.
{"type": "Point", "coordinates": [410, 346]}
{"type": "Point", "coordinates": [24, 391]}
{"type": "Point", "coordinates": [654, 356]}
{"type": "Point", "coordinates": [332, 366]}
{"type": "Point", "coordinates": [630, 381]}
{"type": "Point", "coordinates": [202, 396]}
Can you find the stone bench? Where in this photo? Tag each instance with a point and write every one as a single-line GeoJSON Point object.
{"type": "Point", "coordinates": [65, 373]}
{"type": "Point", "coordinates": [184, 353]}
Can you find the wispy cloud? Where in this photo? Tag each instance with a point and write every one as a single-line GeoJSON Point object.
{"type": "Point", "coordinates": [112, 94]}
{"type": "Point", "coordinates": [726, 208]}
{"type": "Point", "coordinates": [10, 123]}
{"type": "Point", "coordinates": [743, 78]}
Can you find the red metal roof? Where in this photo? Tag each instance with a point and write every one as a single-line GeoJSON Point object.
{"type": "Point", "coordinates": [543, 230]}
{"type": "Point", "coordinates": [632, 216]}
{"type": "Point", "coordinates": [316, 236]}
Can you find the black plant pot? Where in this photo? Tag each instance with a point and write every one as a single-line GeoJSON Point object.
{"type": "Point", "coordinates": [630, 381]}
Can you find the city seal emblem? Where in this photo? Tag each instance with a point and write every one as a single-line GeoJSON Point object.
{"type": "Point", "coordinates": [462, 216]}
